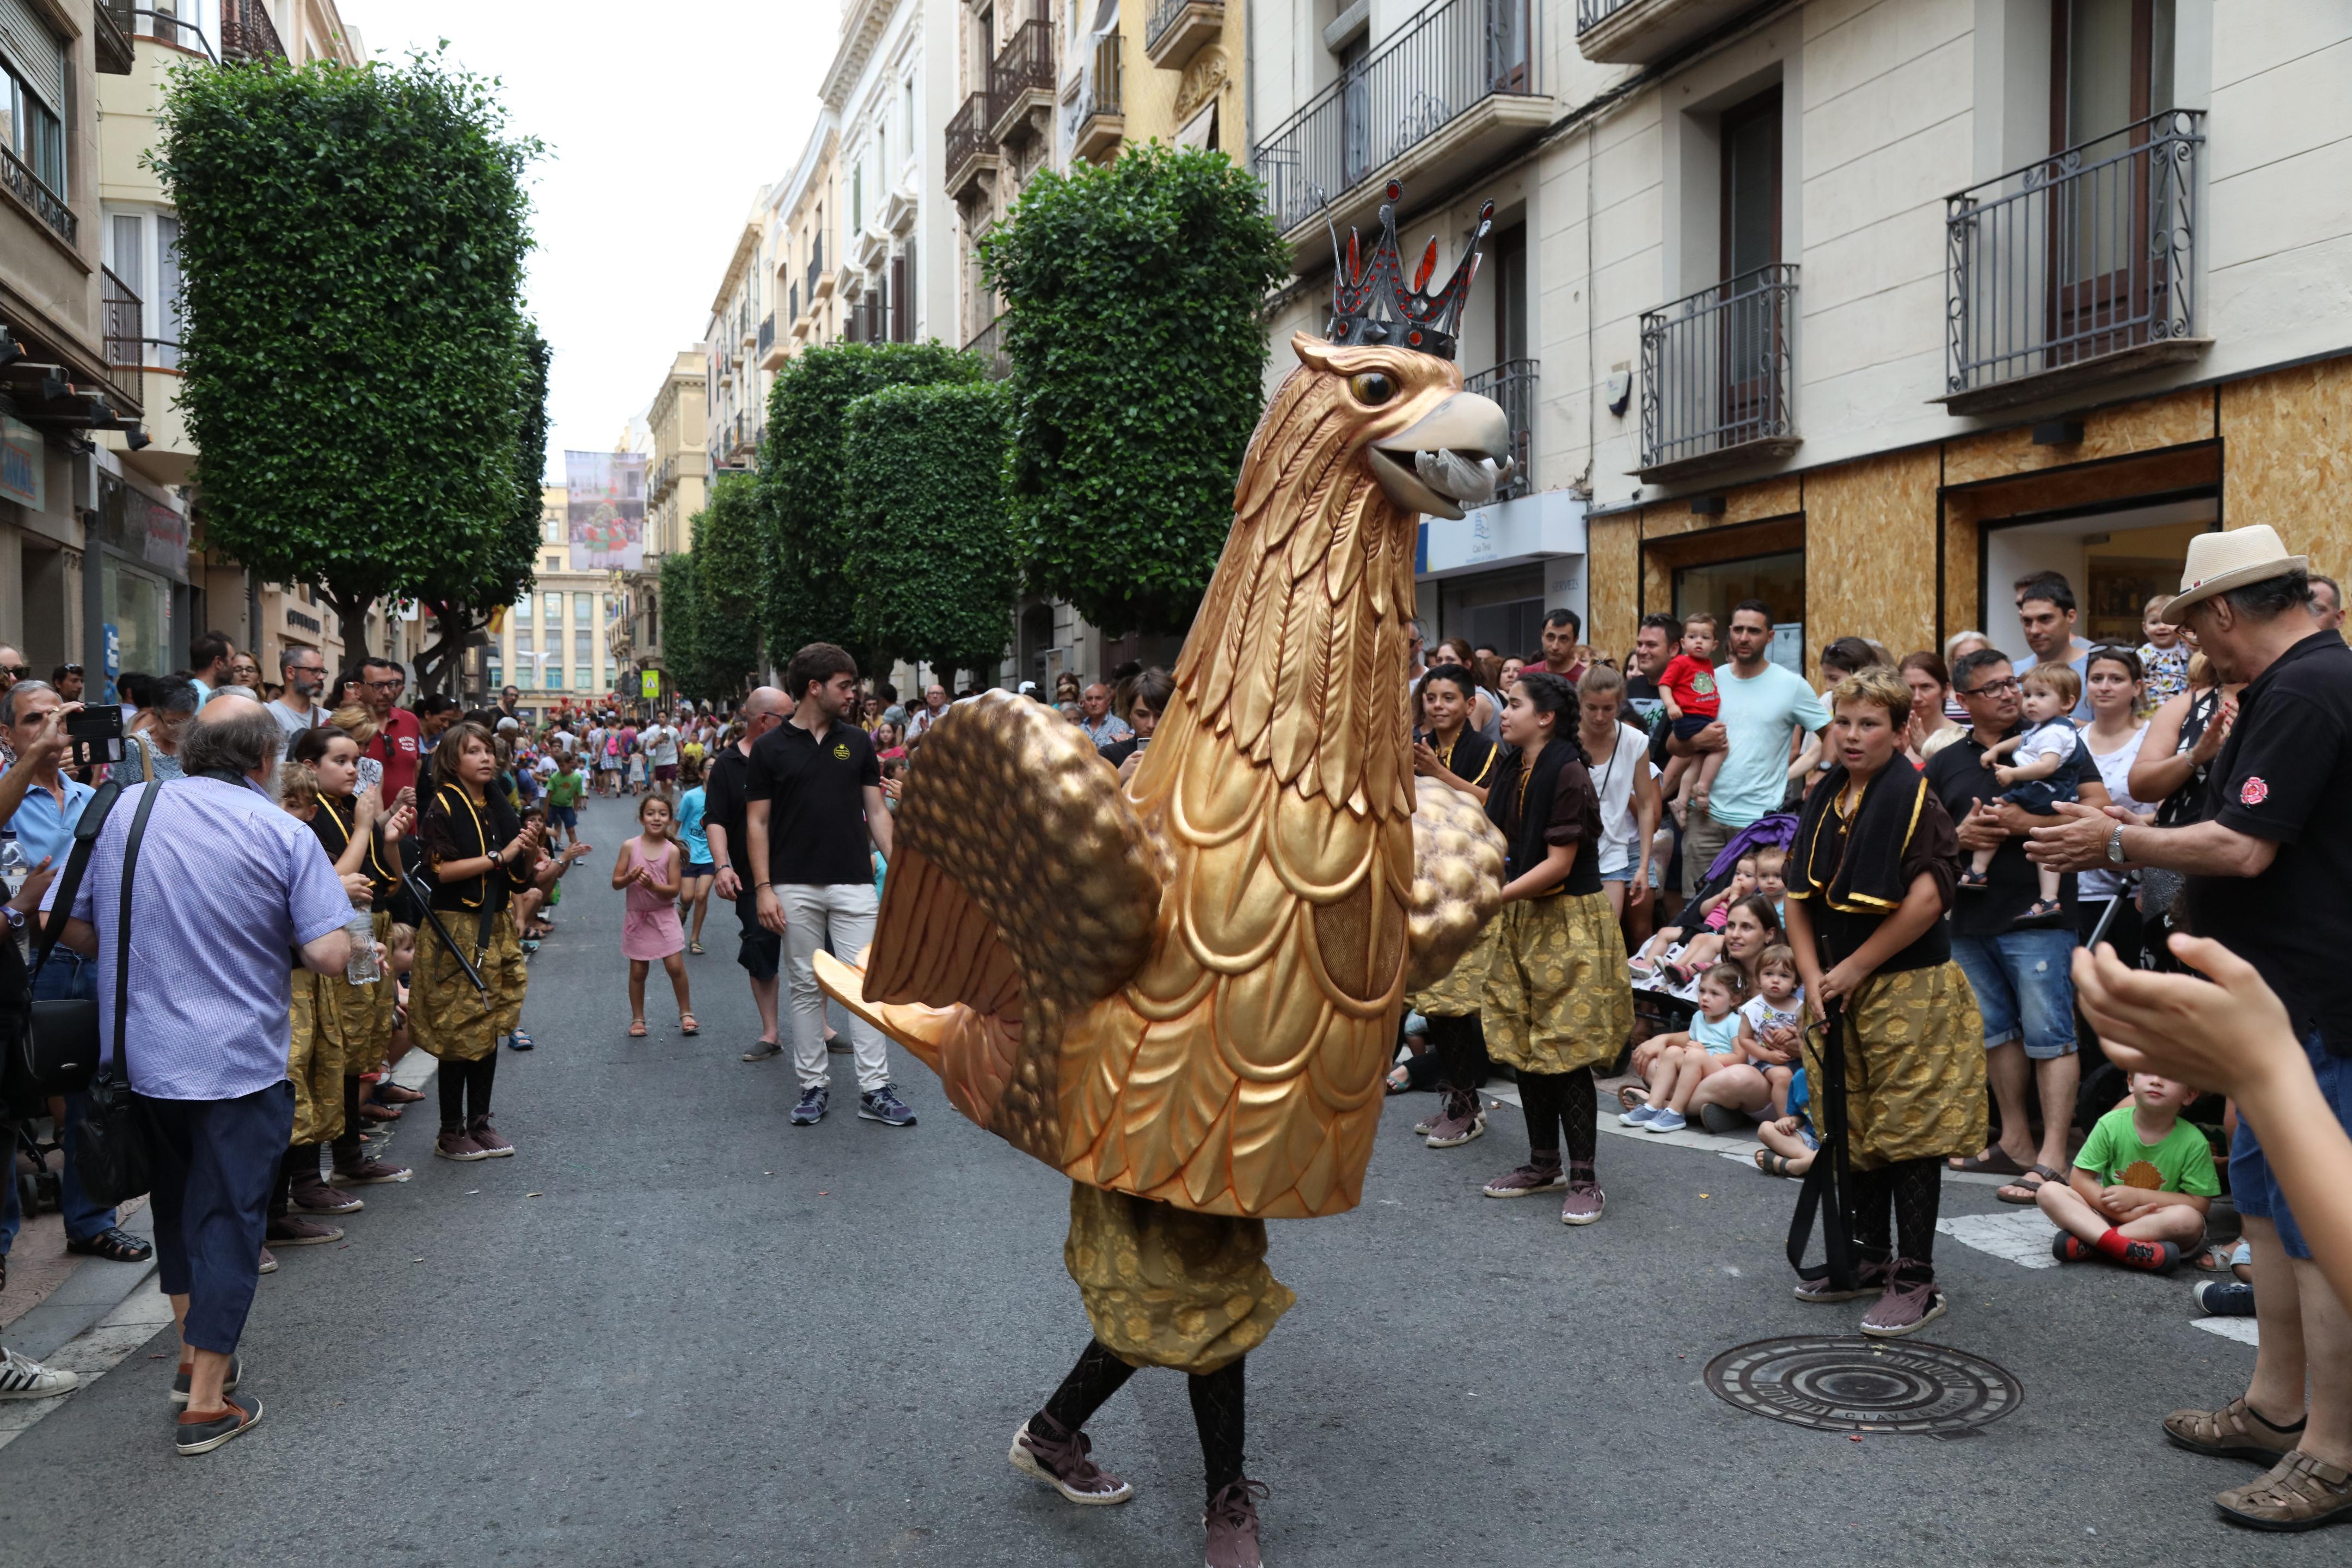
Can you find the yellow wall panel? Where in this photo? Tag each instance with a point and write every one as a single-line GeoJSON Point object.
{"type": "Point", "coordinates": [2170, 421]}
{"type": "Point", "coordinates": [2287, 458]}
{"type": "Point", "coordinates": [1613, 581]}
{"type": "Point", "coordinates": [1870, 554]}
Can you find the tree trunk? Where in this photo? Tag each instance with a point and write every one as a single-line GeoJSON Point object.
{"type": "Point", "coordinates": [439, 660]}
{"type": "Point", "coordinates": [352, 611]}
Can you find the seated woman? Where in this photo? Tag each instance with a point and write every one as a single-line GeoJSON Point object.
{"type": "Point", "coordinates": [1749, 928]}
{"type": "Point", "coordinates": [1700, 930]}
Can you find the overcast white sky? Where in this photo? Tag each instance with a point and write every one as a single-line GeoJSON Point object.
{"type": "Point", "coordinates": [662, 120]}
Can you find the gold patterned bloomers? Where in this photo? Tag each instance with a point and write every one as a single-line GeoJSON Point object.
{"type": "Point", "coordinates": [1170, 1287]}
{"type": "Point", "coordinates": [1914, 1073]}
{"type": "Point", "coordinates": [446, 1016]}
{"type": "Point", "coordinates": [359, 1017]}
{"type": "Point", "coordinates": [314, 1064]}
{"type": "Point", "coordinates": [1558, 998]}
{"type": "Point", "coordinates": [1186, 987]}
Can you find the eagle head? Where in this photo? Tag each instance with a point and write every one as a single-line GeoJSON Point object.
{"type": "Point", "coordinates": [1432, 446]}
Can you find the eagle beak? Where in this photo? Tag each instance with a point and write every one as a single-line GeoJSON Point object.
{"type": "Point", "coordinates": [1455, 456]}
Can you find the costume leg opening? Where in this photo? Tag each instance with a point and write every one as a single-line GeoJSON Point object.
{"type": "Point", "coordinates": [1098, 1375]}
{"type": "Point", "coordinates": [1217, 1410]}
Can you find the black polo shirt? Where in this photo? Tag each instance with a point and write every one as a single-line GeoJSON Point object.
{"type": "Point", "coordinates": [726, 790]}
{"type": "Point", "coordinates": [2286, 775]}
{"type": "Point", "coordinates": [1960, 778]}
{"type": "Point", "coordinates": [816, 812]}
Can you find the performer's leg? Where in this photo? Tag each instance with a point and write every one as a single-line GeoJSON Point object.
{"type": "Point", "coordinates": [1916, 1187]}
{"type": "Point", "coordinates": [1217, 1402]}
{"type": "Point", "coordinates": [1098, 1377]}
{"type": "Point", "coordinates": [1869, 1199]}
{"type": "Point", "coordinates": [1539, 1097]}
{"type": "Point", "coordinates": [1578, 1106]}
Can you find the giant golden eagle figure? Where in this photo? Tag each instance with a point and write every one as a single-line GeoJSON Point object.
{"type": "Point", "coordinates": [1184, 992]}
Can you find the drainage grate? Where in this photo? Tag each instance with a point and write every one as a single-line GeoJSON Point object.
{"type": "Point", "coordinates": [1864, 1385]}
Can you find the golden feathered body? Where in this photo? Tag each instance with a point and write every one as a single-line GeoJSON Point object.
{"type": "Point", "coordinates": [1188, 988]}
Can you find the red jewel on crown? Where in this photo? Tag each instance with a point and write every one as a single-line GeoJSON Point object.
{"type": "Point", "coordinates": [1370, 304]}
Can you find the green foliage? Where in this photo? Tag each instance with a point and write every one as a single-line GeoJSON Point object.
{"type": "Point", "coordinates": [727, 537]}
{"type": "Point", "coordinates": [462, 597]}
{"type": "Point", "coordinates": [806, 594]}
{"type": "Point", "coordinates": [352, 243]}
{"type": "Point", "coordinates": [1132, 317]}
{"type": "Point", "coordinates": [679, 617]}
{"type": "Point", "coordinates": [931, 552]}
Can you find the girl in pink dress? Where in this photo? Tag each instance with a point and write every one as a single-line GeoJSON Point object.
{"type": "Point", "coordinates": [651, 869]}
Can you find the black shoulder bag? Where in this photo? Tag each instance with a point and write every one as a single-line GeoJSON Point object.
{"type": "Point", "coordinates": [116, 1157]}
{"type": "Point", "coordinates": [58, 1049]}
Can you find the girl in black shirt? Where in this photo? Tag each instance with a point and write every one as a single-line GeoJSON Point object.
{"type": "Point", "coordinates": [1556, 1000]}
{"type": "Point", "coordinates": [1457, 756]}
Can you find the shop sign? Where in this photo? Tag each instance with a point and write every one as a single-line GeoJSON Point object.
{"type": "Point", "coordinates": [23, 465]}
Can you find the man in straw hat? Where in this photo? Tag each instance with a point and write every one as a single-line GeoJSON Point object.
{"type": "Point", "coordinates": [2267, 872]}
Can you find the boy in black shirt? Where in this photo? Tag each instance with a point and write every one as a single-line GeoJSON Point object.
{"type": "Point", "coordinates": [814, 800]}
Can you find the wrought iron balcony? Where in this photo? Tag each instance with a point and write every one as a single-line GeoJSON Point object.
{"type": "Point", "coordinates": [1641, 31]}
{"type": "Point", "coordinates": [1101, 125]}
{"type": "Point", "coordinates": [1716, 376]}
{"type": "Point", "coordinates": [34, 192]}
{"type": "Point", "coordinates": [119, 318]}
{"type": "Point", "coordinates": [2074, 270]}
{"type": "Point", "coordinates": [112, 26]}
{"type": "Point", "coordinates": [1512, 386]}
{"type": "Point", "coordinates": [1021, 80]}
{"type": "Point", "coordinates": [246, 32]}
{"type": "Point", "coordinates": [1178, 29]}
{"type": "Point", "coordinates": [970, 151]}
{"type": "Point", "coordinates": [1454, 87]}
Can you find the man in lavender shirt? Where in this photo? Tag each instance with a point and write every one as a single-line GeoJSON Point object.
{"type": "Point", "coordinates": [229, 892]}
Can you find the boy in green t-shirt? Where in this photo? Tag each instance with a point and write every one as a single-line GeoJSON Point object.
{"type": "Point", "coordinates": [2140, 1188]}
{"type": "Point", "coordinates": [563, 790]}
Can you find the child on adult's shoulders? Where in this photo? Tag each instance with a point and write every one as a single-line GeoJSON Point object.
{"type": "Point", "coordinates": [2049, 761]}
{"type": "Point", "coordinates": [2141, 1186]}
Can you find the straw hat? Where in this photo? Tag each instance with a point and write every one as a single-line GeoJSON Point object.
{"type": "Point", "coordinates": [2219, 562]}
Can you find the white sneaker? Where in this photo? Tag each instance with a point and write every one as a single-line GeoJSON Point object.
{"type": "Point", "coordinates": [21, 1378]}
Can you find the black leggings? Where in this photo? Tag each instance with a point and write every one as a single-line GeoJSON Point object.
{"type": "Point", "coordinates": [1559, 1103]}
{"type": "Point", "coordinates": [464, 1082]}
{"type": "Point", "coordinates": [1217, 1406]}
{"type": "Point", "coordinates": [1460, 1046]}
{"type": "Point", "coordinates": [1909, 1189]}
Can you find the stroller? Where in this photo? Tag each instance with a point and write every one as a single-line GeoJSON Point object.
{"type": "Point", "coordinates": [1660, 1005]}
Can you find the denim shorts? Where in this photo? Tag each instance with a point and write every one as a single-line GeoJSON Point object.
{"type": "Point", "coordinates": [2037, 795]}
{"type": "Point", "coordinates": [2251, 1183]}
{"type": "Point", "coordinates": [2024, 987]}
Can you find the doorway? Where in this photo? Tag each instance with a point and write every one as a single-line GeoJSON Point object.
{"type": "Point", "coordinates": [1778, 579]}
{"type": "Point", "coordinates": [2110, 70]}
{"type": "Point", "coordinates": [2114, 560]}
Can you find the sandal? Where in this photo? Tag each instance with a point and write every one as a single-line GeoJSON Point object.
{"type": "Point", "coordinates": [1633, 1094]}
{"type": "Point", "coordinates": [114, 1244]}
{"type": "Point", "coordinates": [396, 1094]}
{"type": "Point", "coordinates": [694, 948]}
{"type": "Point", "coordinates": [2031, 1185]}
{"type": "Point", "coordinates": [1995, 1161]}
{"type": "Point", "coordinates": [638, 1030]}
{"type": "Point", "coordinates": [2041, 910]}
{"type": "Point", "coordinates": [687, 1026]}
{"type": "Point", "coordinates": [1973, 881]}
{"type": "Point", "coordinates": [1400, 1079]}
{"type": "Point", "coordinates": [1773, 1164]}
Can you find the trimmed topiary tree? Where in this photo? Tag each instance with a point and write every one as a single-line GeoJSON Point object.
{"type": "Point", "coordinates": [679, 608]}
{"type": "Point", "coordinates": [463, 594]}
{"type": "Point", "coordinates": [727, 542]}
{"type": "Point", "coordinates": [1132, 317]}
{"type": "Point", "coordinates": [932, 552]}
{"type": "Point", "coordinates": [806, 594]}
{"type": "Point", "coordinates": [352, 244]}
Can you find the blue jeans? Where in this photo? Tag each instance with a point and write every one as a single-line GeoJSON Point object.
{"type": "Point", "coordinates": [65, 975]}
{"type": "Point", "coordinates": [2024, 989]}
{"type": "Point", "coordinates": [216, 1162]}
{"type": "Point", "coordinates": [2251, 1183]}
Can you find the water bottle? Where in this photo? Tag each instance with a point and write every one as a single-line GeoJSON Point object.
{"type": "Point", "coordinates": [13, 865]}
{"type": "Point", "coordinates": [360, 968]}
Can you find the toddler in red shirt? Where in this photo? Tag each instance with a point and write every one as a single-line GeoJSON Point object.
{"type": "Point", "coordinates": [1687, 686]}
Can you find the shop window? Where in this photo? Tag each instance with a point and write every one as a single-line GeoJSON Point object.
{"type": "Point", "coordinates": [1778, 579]}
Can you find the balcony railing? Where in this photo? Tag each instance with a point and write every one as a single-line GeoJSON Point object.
{"type": "Point", "coordinates": [767, 334]}
{"type": "Point", "coordinates": [1177, 29]}
{"type": "Point", "coordinates": [1512, 385]}
{"type": "Point", "coordinates": [111, 28]}
{"type": "Point", "coordinates": [1453, 55]}
{"type": "Point", "coordinates": [1716, 377]}
{"type": "Point", "coordinates": [1025, 66]}
{"type": "Point", "coordinates": [246, 33]}
{"type": "Point", "coordinates": [967, 134]}
{"type": "Point", "coordinates": [119, 318]}
{"type": "Point", "coordinates": [1101, 126]}
{"type": "Point", "coordinates": [988, 343]}
{"type": "Point", "coordinates": [2087, 255]}
{"type": "Point", "coordinates": [34, 192]}
{"type": "Point", "coordinates": [1591, 14]}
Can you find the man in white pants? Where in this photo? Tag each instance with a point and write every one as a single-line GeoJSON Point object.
{"type": "Point", "coordinates": [815, 801]}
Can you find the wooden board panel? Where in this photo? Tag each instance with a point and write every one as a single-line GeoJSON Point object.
{"type": "Point", "coordinates": [1781, 497]}
{"type": "Point", "coordinates": [1870, 554]}
{"type": "Point", "coordinates": [2170, 421]}
{"type": "Point", "coordinates": [2287, 444]}
{"type": "Point", "coordinates": [1963, 611]}
{"type": "Point", "coordinates": [2157, 473]}
{"type": "Point", "coordinates": [1613, 589]}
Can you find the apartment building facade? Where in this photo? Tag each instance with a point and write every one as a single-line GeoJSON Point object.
{"type": "Point", "coordinates": [1867, 309]}
{"type": "Point", "coordinates": [674, 490]}
{"type": "Point", "coordinates": [891, 87]}
{"type": "Point", "coordinates": [553, 644]}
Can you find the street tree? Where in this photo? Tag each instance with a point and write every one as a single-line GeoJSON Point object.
{"type": "Point", "coordinates": [805, 595]}
{"type": "Point", "coordinates": [352, 244]}
{"type": "Point", "coordinates": [679, 617]}
{"type": "Point", "coordinates": [727, 542]}
{"type": "Point", "coordinates": [500, 573]}
{"type": "Point", "coordinates": [1133, 318]}
{"type": "Point", "coordinates": [930, 551]}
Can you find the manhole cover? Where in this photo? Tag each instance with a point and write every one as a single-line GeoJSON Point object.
{"type": "Point", "coordinates": [1864, 1385]}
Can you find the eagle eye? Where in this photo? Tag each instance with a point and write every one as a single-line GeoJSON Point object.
{"type": "Point", "coordinates": [1372, 388]}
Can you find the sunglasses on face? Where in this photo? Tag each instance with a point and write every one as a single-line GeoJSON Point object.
{"type": "Point", "coordinates": [69, 669]}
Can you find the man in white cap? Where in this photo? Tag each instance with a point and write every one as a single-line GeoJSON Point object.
{"type": "Point", "coordinates": [2267, 869]}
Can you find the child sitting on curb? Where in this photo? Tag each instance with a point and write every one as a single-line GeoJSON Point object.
{"type": "Point", "coordinates": [2140, 1188]}
{"type": "Point", "coordinates": [1790, 1143]}
{"type": "Point", "coordinates": [1714, 1046]}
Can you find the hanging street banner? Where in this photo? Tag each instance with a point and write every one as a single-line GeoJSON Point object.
{"type": "Point", "coordinates": [604, 505]}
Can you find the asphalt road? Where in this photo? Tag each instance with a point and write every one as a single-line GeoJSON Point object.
{"type": "Point", "coordinates": [675, 1331]}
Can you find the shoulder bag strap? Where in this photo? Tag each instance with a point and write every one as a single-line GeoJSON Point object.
{"type": "Point", "coordinates": [68, 883]}
{"type": "Point", "coordinates": [123, 925]}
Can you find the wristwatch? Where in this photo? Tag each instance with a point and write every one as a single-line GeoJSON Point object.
{"type": "Point", "coordinates": [14, 916]}
{"type": "Point", "coordinates": [2115, 845]}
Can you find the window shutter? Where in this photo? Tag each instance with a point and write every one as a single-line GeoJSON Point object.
{"type": "Point", "coordinates": [899, 326]}
{"type": "Point", "coordinates": [34, 51]}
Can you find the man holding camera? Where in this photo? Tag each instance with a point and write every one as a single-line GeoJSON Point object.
{"type": "Point", "coordinates": [40, 804]}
